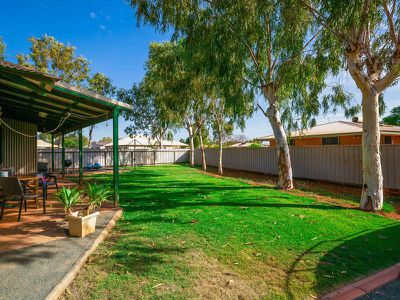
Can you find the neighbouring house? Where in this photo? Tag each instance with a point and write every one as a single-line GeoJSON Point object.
{"type": "Point", "coordinates": [336, 133]}
{"type": "Point", "coordinates": [245, 145]}
{"type": "Point", "coordinates": [100, 145]}
{"type": "Point", "coordinates": [141, 142]}
{"type": "Point", "coordinates": [44, 145]}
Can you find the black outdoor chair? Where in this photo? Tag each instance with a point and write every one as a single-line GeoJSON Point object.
{"type": "Point", "coordinates": [13, 190]}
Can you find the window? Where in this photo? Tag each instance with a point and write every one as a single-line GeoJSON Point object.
{"type": "Point", "coordinates": [387, 139]}
{"type": "Point", "coordinates": [334, 140]}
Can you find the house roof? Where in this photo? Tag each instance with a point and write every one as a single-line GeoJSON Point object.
{"type": "Point", "coordinates": [141, 140]}
{"type": "Point", "coordinates": [42, 99]}
{"type": "Point", "coordinates": [336, 128]}
{"type": "Point", "coordinates": [42, 144]}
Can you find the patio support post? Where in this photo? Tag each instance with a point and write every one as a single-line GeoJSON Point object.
{"type": "Point", "coordinates": [62, 155]}
{"type": "Point", "coordinates": [80, 158]}
{"type": "Point", "coordinates": [115, 156]}
{"type": "Point", "coordinates": [53, 167]}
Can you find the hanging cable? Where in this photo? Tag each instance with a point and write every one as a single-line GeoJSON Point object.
{"type": "Point", "coordinates": [88, 117]}
{"type": "Point", "coordinates": [33, 136]}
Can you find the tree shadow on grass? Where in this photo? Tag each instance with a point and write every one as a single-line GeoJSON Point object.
{"type": "Point", "coordinates": [351, 258]}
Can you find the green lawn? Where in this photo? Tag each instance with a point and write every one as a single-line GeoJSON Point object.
{"type": "Point", "coordinates": [188, 235]}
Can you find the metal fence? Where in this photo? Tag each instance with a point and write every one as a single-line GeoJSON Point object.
{"type": "Point", "coordinates": [105, 158]}
{"type": "Point", "coordinates": [340, 164]}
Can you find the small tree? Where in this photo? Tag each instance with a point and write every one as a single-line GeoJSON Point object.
{"type": "Point", "coordinates": [2, 49]}
{"type": "Point", "coordinates": [51, 56]}
{"type": "Point", "coordinates": [102, 85]}
{"type": "Point", "coordinates": [394, 117]}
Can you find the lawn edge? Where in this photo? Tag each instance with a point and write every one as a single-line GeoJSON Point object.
{"type": "Point", "coordinates": [365, 285]}
{"type": "Point", "coordinates": [70, 275]}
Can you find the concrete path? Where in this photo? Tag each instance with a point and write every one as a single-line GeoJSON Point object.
{"type": "Point", "coordinates": [33, 272]}
{"type": "Point", "coordinates": [390, 291]}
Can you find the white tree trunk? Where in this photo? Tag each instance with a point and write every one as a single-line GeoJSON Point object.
{"type": "Point", "coordinates": [220, 169]}
{"type": "Point", "coordinates": [191, 144]}
{"type": "Point", "coordinates": [285, 175]}
{"type": "Point", "coordinates": [372, 191]}
{"type": "Point", "coordinates": [203, 152]}
{"type": "Point", "coordinates": [91, 128]}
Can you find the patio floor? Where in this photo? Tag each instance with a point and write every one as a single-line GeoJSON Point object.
{"type": "Point", "coordinates": [35, 227]}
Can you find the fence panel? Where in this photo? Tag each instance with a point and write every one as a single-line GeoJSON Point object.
{"type": "Point", "coordinates": [340, 164]}
{"type": "Point", "coordinates": [105, 158]}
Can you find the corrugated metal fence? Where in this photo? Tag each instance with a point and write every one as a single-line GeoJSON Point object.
{"type": "Point", "coordinates": [126, 158]}
{"type": "Point", "coordinates": [341, 164]}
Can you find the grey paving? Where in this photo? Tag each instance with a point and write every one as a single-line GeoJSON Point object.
{"type": "Point", "coordinates": [390, 291]}
{"type": "Point", "coordinates": [32, 272]}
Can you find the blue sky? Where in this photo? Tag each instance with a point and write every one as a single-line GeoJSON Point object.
{"type": "Point", "coordinates": [105, 32]}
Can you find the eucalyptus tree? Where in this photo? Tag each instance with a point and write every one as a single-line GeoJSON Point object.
{"type": "Point", "coordinates": [149, 116]}
{"type": "Point", "coordinates": [102, 85]}
{"type": "Point", "coordinates": [2, 49]}
{"type": "Point", "coordinates": [170, 74]}
{"type": "Point", "coordinates": [258, 46]}
{"type": "Point", "coordinates": [51, 56]}
{"type": "Point", "coordinates": [222, 125]}
{"type": "Point", "coordinates": [363, 36]}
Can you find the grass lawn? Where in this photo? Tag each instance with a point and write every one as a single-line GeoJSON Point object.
{"type": "Point", "coordinates": [189, 235]}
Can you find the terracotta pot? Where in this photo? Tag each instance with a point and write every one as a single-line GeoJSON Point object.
{"type": "Point", "coordinates": [82, 226]}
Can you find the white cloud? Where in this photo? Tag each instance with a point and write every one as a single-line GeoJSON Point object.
{"type": "Point", "coordinates": [93, 15]}
{"type": "Point", "coordinates": [108, 18]}
{"type": "Point", "coordinates": [102, 27]}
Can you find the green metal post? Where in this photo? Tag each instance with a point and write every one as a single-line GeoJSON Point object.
{"type": "Point", "coordinates": [80, 158]}
{"type": "Point", "coordinates": [115, 156]}
{"type": "Point", "coordinates": [62, 155]}
{"type": "Point", "coordinates": [53, 167]}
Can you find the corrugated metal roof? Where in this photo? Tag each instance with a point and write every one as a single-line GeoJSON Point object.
{"type": "Point", "coordinates": [10, 65]}
{"type": "Point", "coordinates": [32, 96]}
{"type": "Point", "coordinates": [335, 128]}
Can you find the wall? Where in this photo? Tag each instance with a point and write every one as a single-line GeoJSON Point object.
{"type": "Point", "coordinates": [341, 164]}
{"type": "Point", "coordinates": [105, 157]}
{"type": "Point", "coordinates": [17, 150]}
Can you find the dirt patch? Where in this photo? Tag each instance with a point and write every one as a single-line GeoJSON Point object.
{"type": "Point", "coordinates": [213, 280]}
{"type": "Point", "coordinates": [308, 188]}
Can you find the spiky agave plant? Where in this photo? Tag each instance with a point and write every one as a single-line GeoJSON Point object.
{"type": "Point", "coordinates": [68, 198]}
{"type": "Point", "coordinates": [97, 195]}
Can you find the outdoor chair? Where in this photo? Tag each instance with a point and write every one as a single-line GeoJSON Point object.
{"type": "Point", "coordinates": [13, 190]}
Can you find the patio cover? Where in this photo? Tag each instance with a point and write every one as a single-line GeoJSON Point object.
{"type": "Point", "coordinates": [36, 97]}
{"type": "Point", "coordinates": [56, 107]}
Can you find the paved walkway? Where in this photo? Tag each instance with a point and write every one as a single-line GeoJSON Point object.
{"type": "Point", "coordinates": [390, 291]}
{"type": "Point", "coordinates": [32, 272]}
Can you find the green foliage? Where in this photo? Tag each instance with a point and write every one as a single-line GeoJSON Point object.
{"type": "Point", "coordinates": [97, 195]}
{"type": "Point", "coordinates": [68, 198]}
{"type": "Point", "coordinates": [71, 140]}
{"type": "Point", "coordinates": [102, 85]}
{"type": "Point", "coordinates": [248, 45]}
{"type": "Point", "coordinates": [51, 56]}
{"type": "Point", "coordinates": [106, 139]}
{"type": "Point", "coordinates": [393, 118]}
{"type": "Point", "coordinates": [254, 145]}
{"type": "Point", "coordinates": [46, 137]}
{"type": "Point", "coordinates": [2, 49]}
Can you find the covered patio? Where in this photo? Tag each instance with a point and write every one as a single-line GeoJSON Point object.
{"type": "Point", "coordinates": [32, 102]}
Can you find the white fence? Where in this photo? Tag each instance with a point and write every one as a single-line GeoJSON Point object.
{"type": "Point", "coordinates": [105, 158]}
{"type": "Point", "coordinates": [340, 164]}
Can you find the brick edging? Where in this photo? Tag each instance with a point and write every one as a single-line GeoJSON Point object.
{"type": "Point", "coordinates": [366, 285]}
{"type": "Point", "coordinates": [67, 278]}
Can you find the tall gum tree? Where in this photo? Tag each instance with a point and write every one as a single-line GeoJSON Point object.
{"type": "Point", "coordinates": [249, 45]}
{"type": "Point", "coordinates": [364, 36]}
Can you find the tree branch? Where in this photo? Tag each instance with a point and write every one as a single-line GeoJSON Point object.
{"type": "Point", "coordinates": [391, 75]}
{"type": "Point", "coordinates": [392, 29]}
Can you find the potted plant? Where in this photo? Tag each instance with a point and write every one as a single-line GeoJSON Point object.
{"type": "Point", "coordinates": [68, 198]}
{"type": "Point", "coordinates": [83, 222]}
